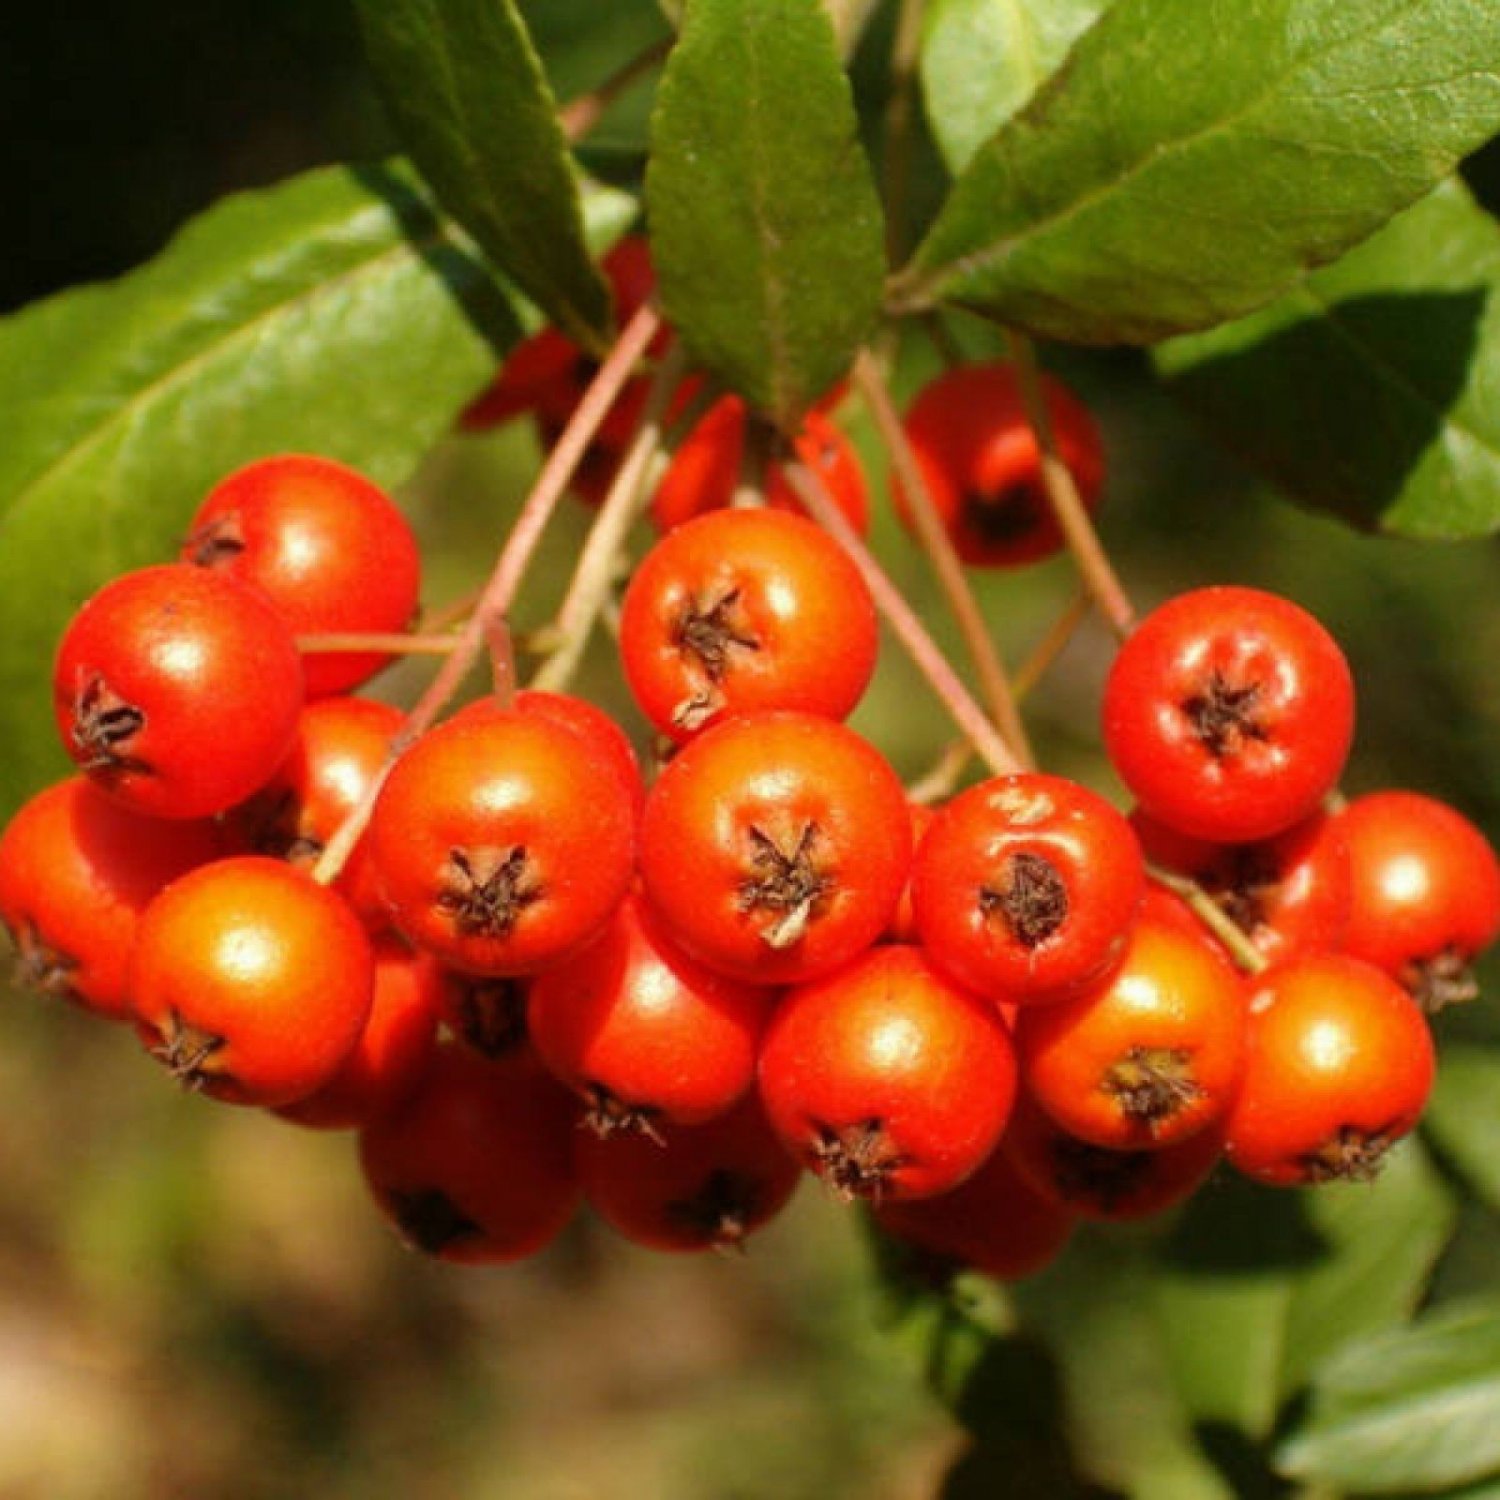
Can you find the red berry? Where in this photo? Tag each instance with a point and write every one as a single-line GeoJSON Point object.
{"type": "Point", "coordinates": [177, 690]}
{"type": "Point", "coordinates": [775, 846]}
{"type": "Point", "coordinates": [393, 1049]}
{"type": "Point", "coordinates": [251, 982]}
{"type": "Point", "coordinates": [995, 1222]}
{"type": "Point", "coordinates": [1426, 898]}
{"type": "Point", "coordinates": [76, 872]}
{"type": "Point", "coordinates": [1339, 1066]}
{"type": "Point", "coordinates": [887, 1080]}
{"type": "Point", "coordinates": [701, 1187]}
{"type": "Point", "coordinates": [342, 744]}
{"type": "Point", "coordinates": [327, 546]}
{"type": "Point", "coordinates": [1025, 886]}
{"type": "Point", "coordinates": [649, 1037]}
{"type": "Point", "coordinates": [1146, 1056]}
{"type": "Point", "coordinates": [502, 842]}
{"type": "Point", "coordinates": [982, 468]}
{"type": "Point", "coordinates": [1098, 1182]}
{"type": "Point", "coordinates": [742, 610]}
{"type": "Point", "coordinates": [475, 1164]}
{"type": "Point", "coordinates": [1229, 713]}
{"type": "Point", "coordinates": [705, 469]}
{"type": "Point", "coordinates": [1288, 894]}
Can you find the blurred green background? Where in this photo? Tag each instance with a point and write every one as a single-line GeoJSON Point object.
{"type": "Point", "coordinates": [198, 1301]}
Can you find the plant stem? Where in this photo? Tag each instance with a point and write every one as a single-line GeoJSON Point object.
{"type": "Point", "coordinates": [499, 591]}
{"type": "Point", "coordinates": [579, 116]}
{"type": "Point", "coordinates": [938, 545]}
{"type": "Point", "coordinates": [594, 577]}
{"type": "Point", "coordinates": [1245, 954]}
{"type": "Point", "coordinates": [394, 643]}
{"type": "Point", "coordinates": [1050, 647]}
{"type": "Point", "coordinates": [899, 107]}
{"type": "Point", "coordinates": [1062, 494]}
{"type": "Point", "coordinates": [988, 743]}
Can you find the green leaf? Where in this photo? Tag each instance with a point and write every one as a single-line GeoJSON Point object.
{"type": "Point", "coordinates": [334, 313]}
{"type": "Point", "coordinates": [765, 224]}
{"type": "Point", "coordinates": [983, 59]}
{"type": "Point", "coordinates": [467, 92]}
{"type": "Point", "coordinates": [1413, 1408]}
{"type": "Point", "coordinates": [1463, 1117]}
{"type": "Point", "coordinates": [1368, 391]}
{"type": "Point", "coordinates": [1130, 1430]}
{"type": "Point", "coordinates": [1194, 157]}
{"type": "Point", "coordinates": [1255, 1286]}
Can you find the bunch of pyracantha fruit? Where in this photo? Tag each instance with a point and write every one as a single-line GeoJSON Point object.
{"type": "Point", "coordinates": [526, 975]}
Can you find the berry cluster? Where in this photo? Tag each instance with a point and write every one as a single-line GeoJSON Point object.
{"type": "Point", "coordinates": [524, 975]}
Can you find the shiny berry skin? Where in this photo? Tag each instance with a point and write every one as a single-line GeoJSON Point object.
{"type": "Point", "coordinates": [1426, 898]}
{"type": "Point", "coordinates": [742, 610]}
{"type": "Point", "coordinates": [502, 842]}
{"type": "Point", "coordinates": [775, 846]}
{"type": "Point", "coordinates": [604, 736]}
{"type": "Point", "coordinates": [648, 1037]}
{"type": "Point", "coordinates": [1229, 713]}
{"type": "Point", "coordinates": [1288, 894]}
{"type": "Point", "coordinates": [393, 1048]}
{"type": "Point", "coordinates": [1025, 886]}
{"type": "Point", "coordinates": [76, 872]}
{"type": "Point", "coordinates": [341, 746]}
{"type": "Point", "coordinates": [705, 469]}
{"type": "Point", "coordinates": [1146, 1056]}
{"type": "Point", "coordinates": [701, 1187]}
{"type": "Point", "coordinates": [250, 982]}
{"type": "Point", "coordinates": [475, 1165]}
{"type": "Point", "coordinates": [177, 691]}
{"type": "Point", "coordinates": [1095, 1182]}
{"type": "Point", "coordinates": [887, 1080]}
{"type": "Point", "coordinates": [1339, 1067]}
{"type": "Point", "coordinates": [994, 1222]}
{"type": "Point", "coordinates": [971, 440]}
{"type": "Point", "coordinates": [326, 545]}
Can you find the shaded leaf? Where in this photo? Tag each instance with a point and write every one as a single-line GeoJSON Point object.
{"type": "Point", "coordinates": [1369, 391]}
{"type": "Point", "coordinates": [1130, 1430]}
{"type": "Point", "coordinates": [983, 59]}
{"type": "Point", "coordinates": [335, 313]}
{"type": "Point", "coordinates": [1463, 1117]}
{"type": "Point", "coordinates": [469, 97]}
{"type": "Point", "coordinates": [1194, 157]}
{"type": "Point", "coordinates": [1417, 1407]}
{"type": "Point", "coordinates": [1255, 1286]}
{"type": "Point", "coordinates": [765, 223]}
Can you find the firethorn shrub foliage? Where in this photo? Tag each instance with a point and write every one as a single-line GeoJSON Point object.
{"type": "Point", "coordinates": [719, 882]}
